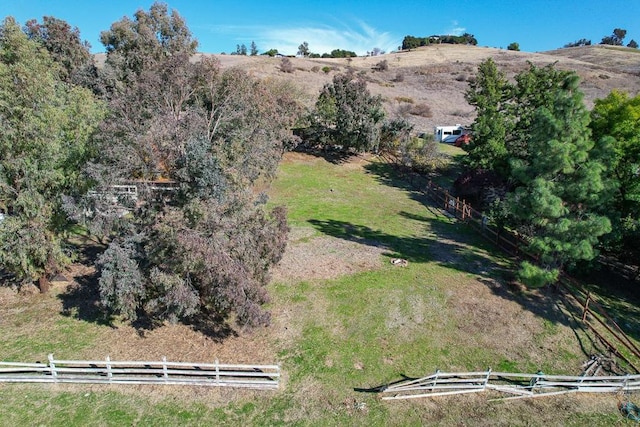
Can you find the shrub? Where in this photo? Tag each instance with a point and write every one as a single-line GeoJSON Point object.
{"type": "Point", "coordinates": [286, 66]}
{"type": "Point", "coordinates": [381, 66]}
{"type": "Point", "coordinates": [422, 110]}
{"type": "Point", "coordinates": [399, 77]}
{"type": "Point", "coordinates": [461, 77]}
{"type": "Point", "coordinates": [461, 113]}
{"type": "Point", "coordinates": [404, 109]}
{"type": "Point", "coordinates": [419, 154]}
{"type": "Point", "coordinates": [326, 69]}
{"type": "Point", "coordinates": [315, 69]}
{"type": "Point", "coordinates": [406, 99]}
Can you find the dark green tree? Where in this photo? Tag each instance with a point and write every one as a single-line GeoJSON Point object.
{"type": "Point", "coordinates": [616, 118]}
{"type": "Point", "coordinates": [303, 49]}
{"type": "Point", "coordinates": [254, 48]}
{"type": "Point", "coordinates": [411, 42]}
{"type": "Point", "coordinates": [581, 42]}
{"type": "Point", "coordinates": [513, 46]}
{"type": "Point", "coordinates": [633, 44]}
{"type": "Point", "coordinates": [616, 38]}
{"type": "Point", "coordinates": [489, 93]}
{"type": "Point", "coordinates": [558, 187]}
{"type": "Point", "coordinates": [46, 124]}
{"type": "Point", "coordinates": [535, 87]}
{"type": "Point", "coordinates": [341, 53]}
{"type": "Point", "coordinates": [350, 114]}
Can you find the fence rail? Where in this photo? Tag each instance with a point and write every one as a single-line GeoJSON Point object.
{"type": "Point", "coordinates": [518, 385]}
{"type": "Point", "coordinates": [142, 372]}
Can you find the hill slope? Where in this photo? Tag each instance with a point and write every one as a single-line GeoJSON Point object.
{"type": "Point", "coordinates": [437, 76]}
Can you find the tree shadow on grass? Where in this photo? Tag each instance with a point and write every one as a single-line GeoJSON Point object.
{"type": "Point", "coordinates": [334, 156]}
{"type": "Point", "coordinates": [455, 246]}
{"type": "Point", "coordinates": [81, 300]}
{"type": "Point", "coordinates": [618, 295]}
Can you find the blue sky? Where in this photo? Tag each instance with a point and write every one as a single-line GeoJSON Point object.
{"type": "Point", "coordinates": [361, 25]}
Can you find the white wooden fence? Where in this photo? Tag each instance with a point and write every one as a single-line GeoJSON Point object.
{"type": "Point", "coordinates": [517, 384]}
{"type": "Point", "coordinates": [140, 372]}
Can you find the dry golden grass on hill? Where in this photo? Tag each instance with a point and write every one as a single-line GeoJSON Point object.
{"type": "Point", "coordinates": [437, 76]}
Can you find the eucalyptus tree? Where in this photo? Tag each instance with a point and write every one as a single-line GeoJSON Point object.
{"type": "Point", "coordinates": [46, 125]}
{"type": "Point", "coordinates": [201, 252]}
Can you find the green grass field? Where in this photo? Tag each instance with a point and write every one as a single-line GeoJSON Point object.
{"type": "Point", "coordinates": [452, 308]}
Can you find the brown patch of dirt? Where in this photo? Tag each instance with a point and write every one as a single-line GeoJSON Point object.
{"type": "Point", "coordinates": [324, 257]}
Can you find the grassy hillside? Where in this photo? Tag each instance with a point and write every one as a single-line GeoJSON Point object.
{"type": "Point", "coordinates": [345, 318]}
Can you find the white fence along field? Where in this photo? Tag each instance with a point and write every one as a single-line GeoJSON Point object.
{"type": "Point", "coordinates": [517, 384]}
{"type": "Point", "coordinates": [142, 372]}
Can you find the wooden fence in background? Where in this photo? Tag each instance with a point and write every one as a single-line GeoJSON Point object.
{"type": "Point", "coordinates": [583, 305]}
{"type": "Point", "coordinates": [592, 314]}
{"type": "Point", "coordinates": [142, 372]}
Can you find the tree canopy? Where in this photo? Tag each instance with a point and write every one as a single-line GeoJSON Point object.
{"type": "Point", "coordinates": [617, 117]}
{"type": "Point", "coordinates": [349, 115]}
{"type": "Point", "coordinates": [66, 48]}
{"type": "Point", "coordinates": [46, 125]}
{"type": "Point", "coordinates": [616, 38]}
{"type": "Point", "coordinates": [202, 249]}
{"type": "Point", "coordinates": [535, 135]}
{"type": "Point", "coordinates": [412, 42]}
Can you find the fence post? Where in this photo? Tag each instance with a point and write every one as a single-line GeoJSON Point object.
{"type": "Point", "coordinates": [109, 373]}
{"type": "Point", "coordinates": [435, 380]}
{"type": "Point", "coordinates": [486, 380]}
{"type": "Point", "coordinates": [585, 309]}
{"type": "Point", "coordinates": [165, 374]}
{"type": "Point", "coordinates": [217, 372]}
{"type": "Point", "coordinates": [52, 367]}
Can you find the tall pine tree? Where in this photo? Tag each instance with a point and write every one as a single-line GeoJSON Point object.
{"type": "Point", "coordinates": [489, 93]}
{"type": "Point", "coordinates": [559, 182]}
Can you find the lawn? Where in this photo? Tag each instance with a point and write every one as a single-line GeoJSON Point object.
{"type": "Point", "coordinates": [345, 320]}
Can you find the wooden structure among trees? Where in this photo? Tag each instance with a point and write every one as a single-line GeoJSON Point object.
{"type": "Point", "coordinates": [109, 371]}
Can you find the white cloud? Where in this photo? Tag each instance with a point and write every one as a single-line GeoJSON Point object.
{"type": "Point", "coordinates": [456, 29]}
{"type": "Point", "coordinates": [321, 38]}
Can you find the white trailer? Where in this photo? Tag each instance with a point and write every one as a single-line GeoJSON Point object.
{"type": "Point", "coordinates": [448, 133]}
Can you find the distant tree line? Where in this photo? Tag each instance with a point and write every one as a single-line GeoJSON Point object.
{"type": "Point", "coordinates": [615, 39]}
{"type": "Point", "coordinates": [303, 50]}
{"type": "Point", "coordinates": [241, 49]}
{"type": "Point", "coordinates": [411, 42]}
